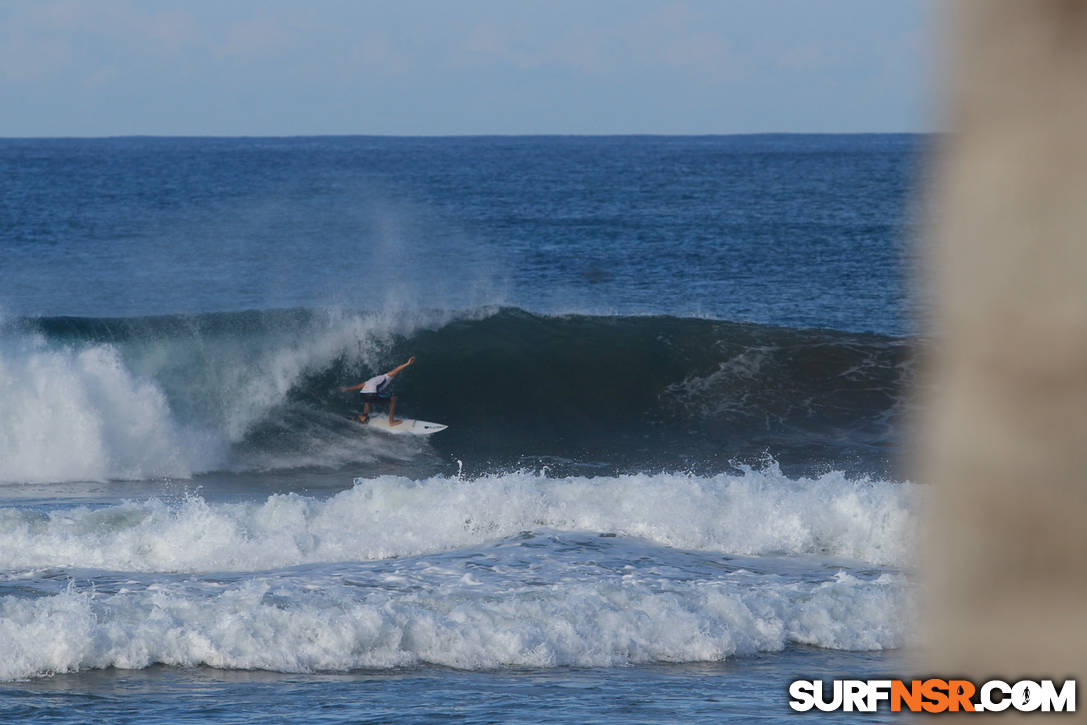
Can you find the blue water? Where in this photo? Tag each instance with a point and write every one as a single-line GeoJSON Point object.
{"type": "Point", "coordinates": [805, 231]}
{"type": "Point", "coordinates": [673, 370]}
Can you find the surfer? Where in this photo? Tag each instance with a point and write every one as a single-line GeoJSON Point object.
{"type": "Point", "coordinates": [375, 390]}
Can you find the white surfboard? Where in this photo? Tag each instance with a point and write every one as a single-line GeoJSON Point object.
{"type": "Point", "coordinates": [408, 426]}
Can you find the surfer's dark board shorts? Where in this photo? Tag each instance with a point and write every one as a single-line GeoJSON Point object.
{"type": "Point", "coordinates": [375, 398]}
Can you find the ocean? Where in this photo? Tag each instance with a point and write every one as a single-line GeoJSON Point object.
{"type": "Point", "coordinates": [675, 371]}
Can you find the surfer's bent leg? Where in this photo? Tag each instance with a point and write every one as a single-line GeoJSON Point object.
{"type": "Point", "coordinates": [392, 410]}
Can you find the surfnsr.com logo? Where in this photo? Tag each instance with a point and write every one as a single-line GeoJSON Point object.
{"type": "Point", "coordinates": [933, 695]}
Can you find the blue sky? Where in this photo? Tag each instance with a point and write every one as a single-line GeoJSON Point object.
{"type": "Point", "coordinates": [428, 67]}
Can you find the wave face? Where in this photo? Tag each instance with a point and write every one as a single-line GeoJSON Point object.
{"type": "Point", "coordinates": [660, 392]}
{"type": "Point", "coordinates": [94, 399]}
{"type": "Point", "coordinates": [512, 569]}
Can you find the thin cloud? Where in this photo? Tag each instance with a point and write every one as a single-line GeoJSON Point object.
{"type": "Point", "coordinates": [801, 57]}
{"type": "Point", "coordinates": [259, 37]}
{"type": "Point", "coordinates": [486, 38]}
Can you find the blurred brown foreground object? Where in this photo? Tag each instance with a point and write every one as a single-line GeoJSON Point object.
{"type": "Point", "coordinates": [1003, 438]}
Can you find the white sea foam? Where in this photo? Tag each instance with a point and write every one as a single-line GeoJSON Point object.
{"type": "Point", "coordinates": [80, 414]}
{"type": "Point", "coordinates": [758, 512]}
{"type": "Point", "coordinates": [267, 624]}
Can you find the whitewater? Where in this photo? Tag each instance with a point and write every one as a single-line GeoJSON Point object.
{"type": "Point", "coordinates": [463, 573]}
{"type": "Point", "coordinates": [757, 512]}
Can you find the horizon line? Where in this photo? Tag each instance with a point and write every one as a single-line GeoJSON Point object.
{"type": "Point", "coordinates": [75, 137]}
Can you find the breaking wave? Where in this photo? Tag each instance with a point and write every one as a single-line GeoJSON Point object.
{"type": "Point", "coordinates": [94, 399]}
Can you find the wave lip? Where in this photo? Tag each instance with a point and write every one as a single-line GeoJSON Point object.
{"type": "Point", "coordinates": [758, 512]}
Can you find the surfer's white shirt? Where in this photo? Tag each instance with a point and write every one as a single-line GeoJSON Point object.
{"type": "Point", "coordinates": [375, 385]}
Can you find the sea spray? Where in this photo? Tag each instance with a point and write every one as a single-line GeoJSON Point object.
{"type": "Point", "coordinates": [78, 413]}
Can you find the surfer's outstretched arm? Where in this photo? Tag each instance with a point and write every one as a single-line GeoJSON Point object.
{"type": "Point", "coordinates": [398, 368]}
{"type": "Point", "coordinates": [391, 373]}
